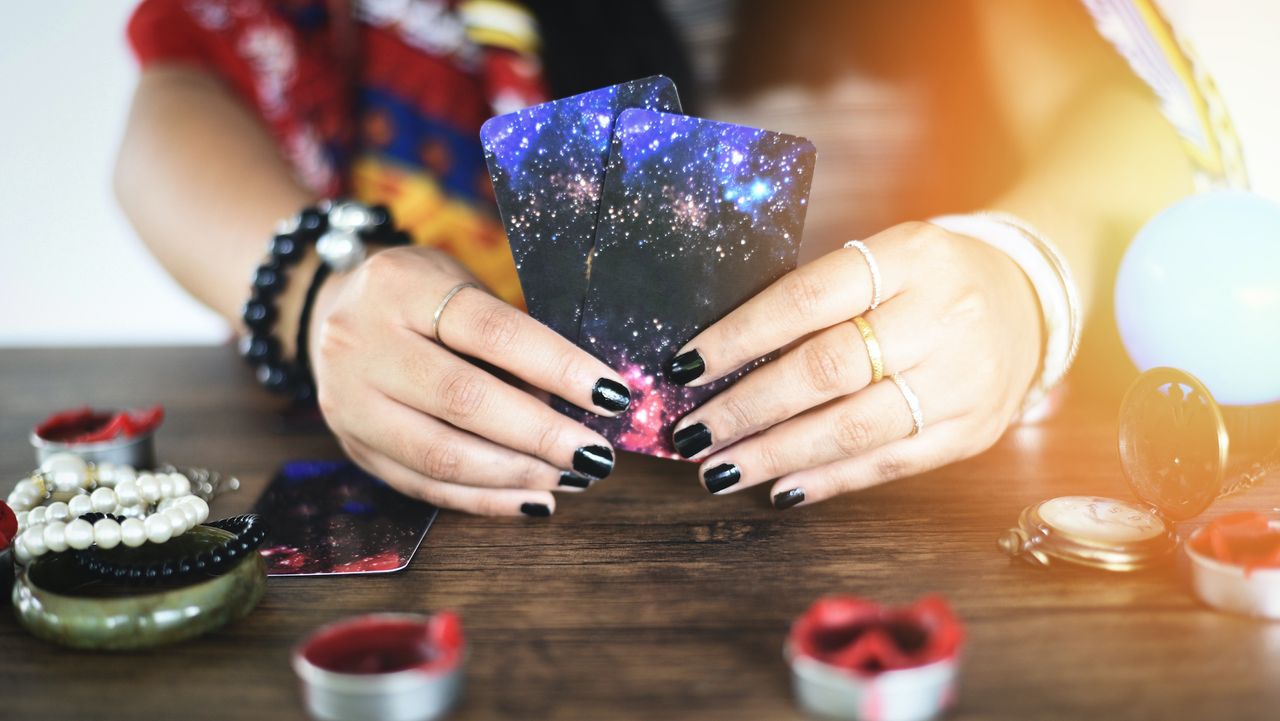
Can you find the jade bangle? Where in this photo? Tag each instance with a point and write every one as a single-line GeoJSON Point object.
{"type": "Point", "coordinates": [54, 600]}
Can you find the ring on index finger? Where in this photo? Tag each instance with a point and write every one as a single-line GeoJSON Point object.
{"type": "Point", "coordinates": [872, 266]}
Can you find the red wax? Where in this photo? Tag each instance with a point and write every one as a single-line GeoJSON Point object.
{"type": "Point", "coordinates": [85, 425]}
{"type": "Point", "coordinates": [1243, 539]}
{"type": "Point", "coordinates": [8, 525]}
{"type": "Point", "coordinates": [867, 638]}
{"type": "Point", "coordinates": [386, 644]}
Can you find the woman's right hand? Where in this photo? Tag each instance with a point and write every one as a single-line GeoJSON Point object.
{"type": "Point", "coordinates": [411, 408]}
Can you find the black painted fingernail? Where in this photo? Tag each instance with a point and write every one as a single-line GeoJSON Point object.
{"type": "Point", "coordinates": [692, 439]}
{"type": "Point", "coordinates": [721, 477]}
{"type": "Point", "coordinates": [787, 499]}
{"type": "Point", "coordinates": [685, 367]}
{"type": "Point", "coordinates": [611, 395]}
{"type": "Point", "coordinates": [570, 479]}
{"type": "Point", "coordinates": [593, 461]}
{"type": "Point", "coordinates": [536, 510]}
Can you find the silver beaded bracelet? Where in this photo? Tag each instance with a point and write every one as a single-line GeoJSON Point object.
{"type": "Point", "coordinates": [1050, 277]}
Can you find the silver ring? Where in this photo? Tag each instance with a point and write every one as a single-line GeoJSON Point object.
{"type": "Point", "coordinates": [913, 403]}
{"type": "Point", "coordinates": [873, 266]}
{"type": "Point", "coordinates": [435, 318]}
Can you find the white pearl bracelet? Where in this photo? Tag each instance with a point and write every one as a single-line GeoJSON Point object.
{"type": "Point", "coordinates": [155, 506]}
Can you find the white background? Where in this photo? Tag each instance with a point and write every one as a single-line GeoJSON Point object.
{"type": "Point", "coordinates": [71, 271]}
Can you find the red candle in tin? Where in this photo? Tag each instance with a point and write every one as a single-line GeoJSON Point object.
{"type": "Point", "coordinates": [864, 637]}
{"type": "Point", "coordinates": [85, 425]}
{"type": "Point", "coordinates": [1243, 539]}
{"type": "Point", "coordinates": [387, 644]}
{"type": "Point", "coordinates": [8, 525]}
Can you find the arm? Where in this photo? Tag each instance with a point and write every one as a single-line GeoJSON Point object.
{"type": "Point", "coordinates": [203, 184]}
{"type": "Point", "coordinates": [1099, 157]}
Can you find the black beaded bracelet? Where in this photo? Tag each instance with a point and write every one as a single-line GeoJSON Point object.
{"type": "Point", "coordinates": [338, 230]}
{"type": "Point", "coordinates": [248, 532]}
{"type": "Point", "coordinates": [306, 386]}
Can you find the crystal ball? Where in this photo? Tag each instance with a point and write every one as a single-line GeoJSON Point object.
{"type": "Point", "coordinates": [1199, 290]}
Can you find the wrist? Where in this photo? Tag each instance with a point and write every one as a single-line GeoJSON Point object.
{"type": "Point", "coordinates": [286, 286]}
{"type": "Point", "coordinates": [290, 304]}
{"type": "Point", "coordinates": [327, 296]}
{"type": "Point", "coordinates": [1050, 278]}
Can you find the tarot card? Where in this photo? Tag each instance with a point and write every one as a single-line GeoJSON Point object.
{"type": "Point", "coordinates": [696, 217]}
{"type": "Point", "coordinates": [330, 517]}
{"type": "Point", "coordinates": [547, 165]}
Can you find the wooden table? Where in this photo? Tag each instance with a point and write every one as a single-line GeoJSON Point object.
{"type": "Point", "coordinates": [646, 598]}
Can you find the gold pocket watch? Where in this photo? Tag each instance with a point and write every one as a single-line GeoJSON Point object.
{"type": "Point", "coordinates": [1173, 449]}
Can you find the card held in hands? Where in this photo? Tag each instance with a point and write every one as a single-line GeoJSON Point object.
{"type": "Point", "coordinates": [547, 163]}
{"type": "Point", "coordinates": [696, 217]}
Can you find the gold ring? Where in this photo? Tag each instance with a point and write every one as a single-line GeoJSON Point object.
{"type": "Point", "coordinates": [435, 318]}
{"type": "Point", "coordinates": [873, 348]}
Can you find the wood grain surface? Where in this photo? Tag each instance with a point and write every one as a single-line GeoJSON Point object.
{"type": "Point", "coordinates": [646, 598]}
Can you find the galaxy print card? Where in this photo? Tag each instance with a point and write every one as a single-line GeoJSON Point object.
{"type": "Point", "coordinates": [547, 163]}
{"type": "Point", "coordinates": [696, 217]}
{"type": "Point", "coordinates": [330, 517]}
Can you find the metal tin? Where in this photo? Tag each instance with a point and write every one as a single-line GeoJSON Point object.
{"type": "Point", "coordinates": [412, 694]}
{"type": "Point", "coordinates": [852, 658]}
{"type": "Point", "coordinates": [911, 694]}
{"type": "Point", "coordinates": [1233, 588]}
{"type": "Point", "coordinates": [138, 451]}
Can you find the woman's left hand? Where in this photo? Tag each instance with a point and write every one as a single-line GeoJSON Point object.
{"type": "Point", "coordinates": [957, 321]}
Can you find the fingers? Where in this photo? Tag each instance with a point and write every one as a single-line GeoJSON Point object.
{"type": "Point", "coordinates": [849, 427]}
{"type": "Point", "coordinates": [830, 364]}
{"type": "Point", "coordinates": [936, 446]}
{"type": "Point", "coordinates": [438, 451]}
{"type": "Point", "coordinates": [432, 380]}
{"type": "Point", "coordinates": [476, 324]}
{"type": "Point", "coordinates": [469, 499]}
{"type": "Point", "coordinates": [813, 421]}
{"type": "Point", "coordinates": [828, 291]}
{"type": "Point", "coordinates": [428, 421]}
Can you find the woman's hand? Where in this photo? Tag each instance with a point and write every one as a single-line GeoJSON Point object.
{"type": "Point", "coordinates": [957, 320]}
{"type": "Point", "coordinates": [410, 408]}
